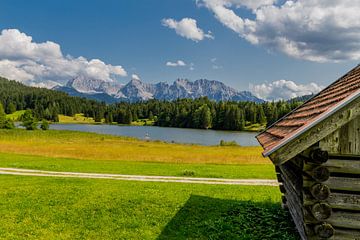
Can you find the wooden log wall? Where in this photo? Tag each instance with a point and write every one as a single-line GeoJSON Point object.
{"type": "Point", "coordinates": [322, 193]}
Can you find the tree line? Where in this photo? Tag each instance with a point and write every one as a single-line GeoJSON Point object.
{"type": "Point", "coordinates": [201, 113]}
{"type": "Point", "coordinates": [184, 113]}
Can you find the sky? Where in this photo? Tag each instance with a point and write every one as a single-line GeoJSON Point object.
{"type": "Point", "coordinates": [274, 48]}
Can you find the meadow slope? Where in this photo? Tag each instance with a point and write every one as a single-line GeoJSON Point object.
{"type": "Point", "coordinates": [67, 208]}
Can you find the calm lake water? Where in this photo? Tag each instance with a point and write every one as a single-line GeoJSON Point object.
{"type": "Point", "coordinates": [179, 135]}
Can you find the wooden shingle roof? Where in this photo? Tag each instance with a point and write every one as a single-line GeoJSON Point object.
{"type": "Point", "coordinates": [311, 112]}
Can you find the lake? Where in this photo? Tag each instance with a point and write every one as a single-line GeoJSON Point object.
{"type": "Point", "coordinates": [178, 135]}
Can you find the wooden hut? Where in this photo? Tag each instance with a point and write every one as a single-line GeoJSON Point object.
{"type": "Point", "coordinates": [316, 153]}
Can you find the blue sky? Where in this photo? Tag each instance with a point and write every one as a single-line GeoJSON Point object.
{"type": "Point", "coordinates": [130, 33]}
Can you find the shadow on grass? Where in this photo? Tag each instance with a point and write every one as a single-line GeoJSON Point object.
{"type": "Point", "coordinates": [211, 218]}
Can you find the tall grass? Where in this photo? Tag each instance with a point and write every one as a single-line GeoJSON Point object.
{"type": "Point", "coordinates": [79, 145]}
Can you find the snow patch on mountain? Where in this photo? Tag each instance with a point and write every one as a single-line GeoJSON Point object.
{"type": "Point", "coordinates": [137, 90]}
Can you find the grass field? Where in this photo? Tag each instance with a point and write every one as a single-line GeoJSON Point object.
{"type": "Point", "coordinates": [90, 146]}
{"type": "Point", "coordinates": [63, 208]}
{"type": "Point", "coordinates": [54, 208]}
{"type": "Point", "coordinates": [77, 118]}
{"type": "Point", "coordinates": [245, 171]}
{"type": "Point", "coordinates": [256, 127]}
{"type": "Point", "coordinates": [67, 150]}
{"type": "Point", "coordinates": [143, 122]}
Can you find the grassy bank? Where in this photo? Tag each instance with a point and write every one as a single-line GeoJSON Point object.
{"type": "Point", "coordinates": [77, 118]}
{"type": "Point", "coordinates": [90, 146]}
{"type": "Point", "coordinates": [54, 208]}
{"type": "Point", "coordinates": [65, 208]}
{"type": "Point", "coordinates": [264, 171]}
{"type": "Point", "coordinates": [89, 152]}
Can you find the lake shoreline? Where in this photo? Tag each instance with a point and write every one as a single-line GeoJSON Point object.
{"type": "Point", "coordinates": [135, 125]}
{"type": "Point", "coordinates": [205, 137]}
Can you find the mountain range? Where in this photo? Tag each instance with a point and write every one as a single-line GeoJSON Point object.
{"type": "Point", "coordinates": [136, 90]}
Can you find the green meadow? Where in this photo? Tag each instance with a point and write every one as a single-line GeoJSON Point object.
{"type": "Point", "coordinates": [56, 208]}
{"type": "Point", "coordinates": [66, 208]}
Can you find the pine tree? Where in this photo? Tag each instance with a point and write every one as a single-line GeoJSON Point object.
{"type": "Point", "coordinates": [242, 121]}
{"type": "Point", "coordinates": [205, 117]}
{"type": "Point", "coordinates": [97, 117]}
{"type": "Point", "coordinates": [134, 116]}
{"type": "Point", "coordinates": [128, 117]}
{"type": "Point", "coordinates": [261, 116]}
{"type": "Point", "coordinates": [151, 116]}
{"type": "Point", "coordinates": [2, 116]}
{"type": "Point", "coordinates": [11, 108]}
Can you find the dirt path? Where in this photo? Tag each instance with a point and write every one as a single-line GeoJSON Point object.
{"type": "Point", "coordinates": [41, 173]}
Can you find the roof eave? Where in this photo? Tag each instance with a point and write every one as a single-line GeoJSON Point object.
{"type": "Point", "coordinates": [321, 117]}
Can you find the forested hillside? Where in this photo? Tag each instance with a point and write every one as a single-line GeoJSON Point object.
{"type": "Point", "coordinates": [185, 113]}
{"type": "Point", "coordinates": [45, 103]}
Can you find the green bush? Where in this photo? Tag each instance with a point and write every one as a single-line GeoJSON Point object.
{"type": "Point", "coordinates": [230, 143]}
{"type": "Point", "coordinates": [44, 125]}
{"type": "Point", "coordinates": [188, 173]}
{"type": "Point", "coordinates": [28, 120]}
{"type": "Point", "coordinates": [9, 124]}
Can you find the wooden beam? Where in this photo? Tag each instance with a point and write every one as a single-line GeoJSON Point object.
{"type": "Point", "coordinates": [324, 230]}
{"type": "Point", "coordinates": [296, 212]}
{"type": "Point", "coordinates": [345, 140]}
{"type": "Point", "coordinates": [288, 174]}
{"type": "Point", "coordinates": [346, 234]}
{"type": "Point", "coordinates": [319, 173]}
{"type": "Point", "coordinates": [342, 201]}
{"type": "Point", "coordinates": [316, 155]}
{"type": "Point", "coordinates": [340, 183]}
{"type": "Point", "coordinates": [343, 166]}
{"type": "Point", "coordinates": [345, 220]}
{"type": "Point", "coordinates": [321, 211]}
{"type": "Point", "coordinates": [316, 133]}
{"type": "Point", "coordinates": [319, 191]}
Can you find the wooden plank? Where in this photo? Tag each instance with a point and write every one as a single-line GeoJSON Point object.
{"type": "Point", "coordinates": [292, 177]}
{"type": "Point", "coordinates": [345, 219]}
{"type": "Point", "coordinates": [345, 140]}
{"type": "Point", "coordinates": [339, 183]}
{"type": "Point", "coordinates": [291, 196]}
{"type": "Point", "coordinates": [298, 162]}
{"type": "Point", "coordinates": [315, 155]}
{"type": "Point", "coordinates": [342, 201]}
{"type": "Point", "coordinates": [343, 166]}
{"type": "Point", "coordinates": [316, 133]}
{"type": "Point", "coordinates": [344, 156]}
{"type": "Point", "coordinates": [296, 213]}
{"type": "Point", "coordinates": [346, 234]}
{"type": "Point", "coordinates": [298, 223]}
{"type": "Point", "coordinates": [318, 173]}
{"type": "Point", "coordinates": [349, 137]}
{"type": "Point", "coordinates": [340, 219]}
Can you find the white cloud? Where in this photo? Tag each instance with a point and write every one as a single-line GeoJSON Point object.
{"type": "Point", "coordinates": [283, 89]}
{"type": "Point", "coordinates": [187, 27]}
{"type": "Point", "coordinates": [215, 66]}
{"type": "Point", "coordinates": [135, 77]}
{"type": "Point", "coordinates": [192, 67]}
{"type": "Point", "coordinates": [178, 63]}
{"type": "Point", "coordinates": [23, 60]}
{"type": "Point", "coordinates": [317, 30]}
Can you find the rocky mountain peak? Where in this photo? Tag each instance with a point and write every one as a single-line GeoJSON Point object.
{"type": "Point", "coordinates": [137, 90]}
